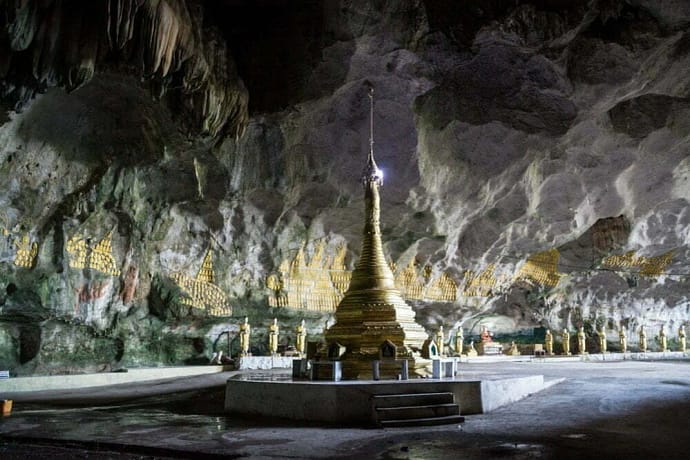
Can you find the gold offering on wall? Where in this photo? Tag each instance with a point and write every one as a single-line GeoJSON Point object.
{"type": "Point", "coordinates": [26, 252]}
{"type": "Point", "coordinates": [201, 292]}
{"type": "Point", "coordinates": [99, 257]}
{"type": "Point", "coordinates": [648, 266]}
{"type": "Point", "coordinates": [479, 285]}
{"type": "Point", "coordinates": [320, 283]}
{"type": "Point", "coordinates": [541, 268]}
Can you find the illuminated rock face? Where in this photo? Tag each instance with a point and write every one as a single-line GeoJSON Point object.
{"type": "Point", "coordinates": [372, 312]}
{"type": "Point", "coordinates": [539, 166]}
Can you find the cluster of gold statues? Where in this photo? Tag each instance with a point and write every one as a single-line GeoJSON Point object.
{"type": "Point", "coordinates": [273, 335]}
{"type": "Point", "coordinates": [26, 252]}
{"type": "Point", "coordinates": [661, 339]}
{"type": "Point", "coordinates": [648, 266]}
{"type": "Point", "coordinates": [320, 282]}
{"type": "Point", "coordinates": [99, 257]}
{"type": "Point", "coordinates": [541, 268]}
{"type": "Point", "coordinates": [201, 292]}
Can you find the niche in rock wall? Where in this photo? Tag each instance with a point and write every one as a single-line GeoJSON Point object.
{"type": "Point", "coordinates": [11, 288]}
{"type": "Point", "coordinates": [119, 349]}
{"type": "Point", "coordinates": [603, 237]}
{"type": "Point", "coordinates": [29, 342]}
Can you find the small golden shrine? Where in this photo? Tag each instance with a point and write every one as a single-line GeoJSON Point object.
{"type": "Point", "coordinates": [373, 313]}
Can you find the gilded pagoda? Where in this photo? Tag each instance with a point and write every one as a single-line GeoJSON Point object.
{"type": "Point", "coordinates": [372, 314]}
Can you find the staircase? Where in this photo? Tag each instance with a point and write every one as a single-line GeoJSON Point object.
{"type": "Point", "coordinates": [415, 409]}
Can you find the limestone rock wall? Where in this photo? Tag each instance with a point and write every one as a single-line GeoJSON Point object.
{"type": "Point", "coordinates": [536, 155]}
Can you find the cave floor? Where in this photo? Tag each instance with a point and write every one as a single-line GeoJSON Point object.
{"type": "Point", "coordinates": [602, 409]}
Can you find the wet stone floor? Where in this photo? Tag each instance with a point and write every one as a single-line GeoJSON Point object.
{"type": "Point", "coordinates": [603, 410]}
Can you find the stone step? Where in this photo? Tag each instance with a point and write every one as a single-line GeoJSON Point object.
{"type": "Point", "coordinates": [411, 399]}
{"type": "Point", "coordinates": [417, 412]}
{"type": "Point", "coordinates": [428, 421]}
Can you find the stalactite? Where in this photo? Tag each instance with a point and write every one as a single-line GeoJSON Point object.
{"type": "Point", "coordinates": [22, 23]}
{"type": "Point", "coordinates": [47, 46]}
{"type": "Point", "coordinates": [121, 16]}
{"type": "Point", "coordinates": [66, 41]}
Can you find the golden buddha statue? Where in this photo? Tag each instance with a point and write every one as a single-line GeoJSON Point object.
{"type": "Point", "coordinates": [602, 339]}
{"type": "Point", "coordinates": [459, 339]}
{"type": "Point", "coordinates": [681, 338]}
{"type": "Point", "coordinates": [623, 339]}
{"type": "Point", "coordinates": [513, 351]}
{"type": "Point", "coordinates": [643, 340]}
{"type": "Point", "coordinates": [548, 342]}
{"type": "Point", "coordinates": [565, 339]}
{"type": "Point", "coordinates": [581, 341]}
{"type": "Point", "coordinates": [301, 338]}
{"type": "Point", "coordinates": [273, 331]}
{"type": "Point", "coordinates": [372, 310]}
{"type": "Point", "coordinates": [663, 340]}
{"type": "Point", "coordinates": [440, 341]}
{"type": "Point", "coordinates": [245, 331]}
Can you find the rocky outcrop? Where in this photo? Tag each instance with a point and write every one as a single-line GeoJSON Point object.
{"type": "Point", "coordinates": [535, 159]}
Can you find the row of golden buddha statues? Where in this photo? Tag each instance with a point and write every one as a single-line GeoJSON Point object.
{"type": "Point", "coordinates": [661, 339]}
{"type": "Point", "coordinates": [459, 348]}
{"type": "Point", "coordinates": [273, 334]}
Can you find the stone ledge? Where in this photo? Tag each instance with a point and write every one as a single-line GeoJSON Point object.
{"type": "Point", "coordinates": [265, 362]}
{"type": "Point", "coordinates": [65, 382]}
{"type": "Point", "coordinates": [637, 356]}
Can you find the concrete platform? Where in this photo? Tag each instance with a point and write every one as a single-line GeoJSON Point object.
{"type": "Point", "coordinates": [349, 402]}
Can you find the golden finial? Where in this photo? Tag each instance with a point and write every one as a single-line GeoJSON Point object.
{"type": "Point", "coordinates": [371, 174]}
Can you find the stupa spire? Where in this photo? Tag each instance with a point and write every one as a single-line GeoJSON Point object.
{"type": "Point", "coordinates": [372, 271]}
{"type": "Point", "coordinates": [372, 311]}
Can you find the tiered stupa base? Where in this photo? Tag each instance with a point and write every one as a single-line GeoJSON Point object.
{"type": "Point", "coordinates": [368, 320]}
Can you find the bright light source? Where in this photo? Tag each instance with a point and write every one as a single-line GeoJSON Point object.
{"type": "Point", "coordinates": [379, 174]}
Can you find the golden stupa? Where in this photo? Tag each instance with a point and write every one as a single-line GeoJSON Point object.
{"type": "Point", "coordinates": [372, 311]}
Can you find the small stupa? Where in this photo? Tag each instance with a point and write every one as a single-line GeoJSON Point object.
{"type": "Point", "coordinates": [372, 316]}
